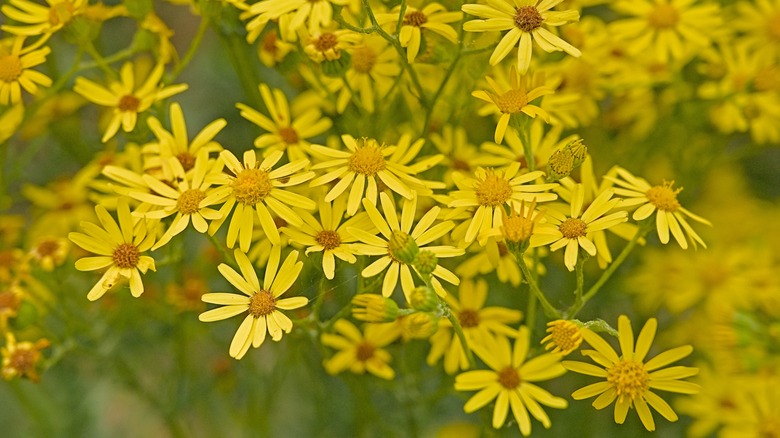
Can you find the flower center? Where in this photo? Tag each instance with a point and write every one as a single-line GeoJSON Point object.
{"type": "Point", "coordinates": [573, 228]}
{"type": "Point", "coordinates": [468, 318]}
{"type": "Point", "coordinates": [251, 186]}
{"type": "Point", "coordinates": [126, 256]}
{"type": "Point", "coordinates": [328, 239]}
{"type": "Point", "coordinates": [269, 42]}
{"type": "Point", "coordinates": [528, 18]}
{"type": "Point", "coordinates": [367, 160]}
{"type": "Point", "coordinates": [10, 68]}
{"type": "Point", "coordinates": [509, 378]}
{"type": "Point", "coordinates": [22, 360]}
{"type": "Point", "coordinates": [565, 335]}
{"type": "Point", "coordinates": [511, 102]}
{"type": "Point", "coordinates": [262, 303]}
{"type": "Point", "coordinates": [326, 41]}
{"type": "Point", "coordinates": [289, 135]}
{"type": "Point", "coordinates": [517, 229]}
{"type": "Point", "coordinates": [416, 18]}
{"type": "Point", "coordinates": [187, 160]}
{"type": "Point", "coordinates": [9, 302]}
{"type": "Point", "coordinates": [494, 190]}
{"type": "Point", "coordinates": [47, 247]}
{"type": "Point", "coordinates": [365, 351]}
{"type": "Point", "coordinates": [629, 379]}
{"type": "Point", "coordinates": [129, 103]}
{"type": "Point", "coordinates": [663, 16]}
{"type": "Point", "coordinates": [363, 59]}
{"type": "Point", "coordinates": [61, 13]}
{"type": "Point", "coordinates": [664, 197]}
{"type": "Point", "coordinates": [188, 201]}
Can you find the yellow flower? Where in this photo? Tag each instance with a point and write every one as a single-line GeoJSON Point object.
{"type": "Point", "coordinates": [670, 214]}
{"type": "Point", "coordinates": [284, 132]}
{"type": "Point", "coordinates": [21, 359]}
{"type": "Point", "coordinates": [64, 203]}
{"type": "Point", "coordinates": [759, 25]}
{"type": "Point", "coordinates": [544, 143]}
{"type": "Point", "coordinates": [564, 337]}
{"type": "Point", "coordinates": [576, 229]}
{"type": "Point", "coordinates": [400, 243]}
{"type": "Point", "coordinates": [261, 303]}
{"type": "Point", "coordinates": [15, 69]}
{"type": "Point", "coordinates": [670, 29]}
{"type": "Point", "coordinates": [432, 16]}
{"type": "Point", "coordinates": [176, 143]}
{"type": "Point", "coordinates": [478, 323]}
{"type": "Point", "coordinates": [513, 101]}
{"type": "Point", "coordinates": [489, 191]}
{"type": "Point", "coordinates": [50, 251]}
{"type": "Point", "coordinates": [360, 352]}
{"type": "Point", "coordinates": [39, 20]}
{"type": "Point", "coordinates": [189, 198]}
{"type": "Point", "coordinates": [371, 75]}
{"type": "Point", "coordinates": [365, 162]}
{"type": "Point", "coordinates": [127, 100]}
{"type": "Point", "coordinates": [629, 379]}
{"type": "Point", "coordinates": [296, 13]}
{"type": "Point", "coordinates": [510, 382]}
{"type": "Point", "coordinates": [328, 235]}
{"type": "Point", "coordinates": [524, 20]}
{"type": "Point", "coordinates": [119, 248]}
{"type": "Point", "coordinates": [256, 186]}
{"type": "Point", "coordinates": [11, 298]}
{"type": "Point", "coordinates": [328, 45]}
{"type": "Point", "coordinates": [272, 50]}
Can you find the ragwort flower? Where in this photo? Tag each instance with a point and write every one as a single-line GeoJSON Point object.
{"type": "Point", "coordinates": [15, 70]}
{"type": "Point", "coordinates": [361, 352]}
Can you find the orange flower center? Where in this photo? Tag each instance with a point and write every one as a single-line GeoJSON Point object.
{"type": "Point", "coordinates": [326, 41]}
{"type": "Point", "coordinates": [47, 248]}
{"type": "Point", "coordinates": [511, 102]}
{"type": "Point", "coordinates": [573, 228]}
{"type": "Point", "coordinates": [509, 378]}
{"type": "Point", "coordinates": [416, 18]}
{"type": "Point", "coordinates": [363, 59]}
{"type": "Point", "coordinates": [262, 303]}
{"type": "Point", "coordinates": [10, 68]}
{"type": "Point", "coordinates": [664, 197]}
{"type": "Point", "coordinates": [365, 351]}
{"type": "Point", "coordinates": [629, 378]}
{"type": "Point", "coordinates": [663, 16]}
{"type": "Point", "coordinates": [126, 256]}
{"type": "Point", "coordinates": [189, 201]}
{"type": "Point", "coordinates": [367, 160]}
{"type": "Point", "coordinates": [468, 318]}
{"type": "Point", "coordinates": [528, 18]}
{"type": "Point", "coordinates": [129, 103]}
{"type": "Point", "coordinates": [187, 160]}
{"type": "Point", "coordinates": [9, 302]}
{"type": "Point", "coordinates": [251, 186]}
{"type": "Point", "coordinates": [328, 239]}
{"type": "Point", "coordinates": [565, 335]}
{"type": "Point", "coordinates": [288, 135]}
{"type": "Point", "coordinates": [494, 190]}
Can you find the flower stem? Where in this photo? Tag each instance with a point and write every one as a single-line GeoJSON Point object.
{"type": "Point", "coordinates": [550, 311]}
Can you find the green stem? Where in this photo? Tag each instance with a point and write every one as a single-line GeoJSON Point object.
{"type": "Point", "coordinates": [193, 48]}
{"type": "Point", "coordinates": [579, 269]}
{"type": "Point", "coordinates": [99, 60]}
{"type": "Point", "coordinates": [644, 228]}
{"type": "Point", "coordinates": [459, 332]}
{"type": "Point", "coordinates": [550, 311]}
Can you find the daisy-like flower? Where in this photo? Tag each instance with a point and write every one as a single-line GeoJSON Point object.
{"type": "Point", "coordinates": [176, 143]}
{"type": "Point", "coordinates": [510, 382]}
{"type": "Point", "coordinates": [262, 304]}
{"type": "Point", "coordinates": [400, 243]}
{"type": "Point", "coordinates": [575, 230]}
{"type": "Point", "coordinates": [364, 163]}
{"type": "Point", "coordinates": [118, 247]}
{"type": "Point", "coordinates": [328, 45]}
{"type": "Point", "coordinates": [50, 251]}
{"type": "Point", "coordinates": [513, 101]}
{"type": "Point", "coordinates": [759, 24]}
{"type": "Point", "coordinates": [293, 13]}
{"type": "Point", "coordinates": [127, 100]}
{"type": "Point", "coordinates": [433, 17]}
{"type": "Point", "coordinates": [629, 379]}
{"type": "Point", "coordinates": [328, 235]}
{"type": "Point", "coordinates": [662, 199]}
{"type": "Point", "coordinates": [478, 322]}
{"type": "Point", "coordinates": [16, 62]}
{"type": "Point", "coordinates": [189, 199]}
{"type": "Point", "coordinates": [37, 19]}
{"type": "Point", "coordinates": [671, 29]}
{"type": "Point", "coordinates": [524, 19]}
{"type": "Point", "coordinates": [564, 337]}
{"type": "Point", "coordinates": [489, 191]}
{"type": "Point", "coordinates": [21, 359]}
{"type": "Point", "coordinates": [360, 352]}
{"type": "Point", "coordinates": [256, 186]}
{"type": "Point", "coordinates": [372, 73]}
{"type": "Point", "coordinates": [284, 133]}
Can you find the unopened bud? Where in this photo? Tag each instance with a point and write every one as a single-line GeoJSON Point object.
{"type": "Point", "coordinates": [423, 298]}
{"type": "Point", "coordinates": [518, 227]}
{"type": "Point", "coordinates": [403, 247]}
{"type": "Point", "coordinates": [420, 325]}
{"type": "Point", "coordinates": [578, 152]}
{"type": "Point", "coordinates": [374, 308]}
{"type": "Point", "coordinates": [426, 262]}
{"type": "Point", "coordinates": [560, 165]}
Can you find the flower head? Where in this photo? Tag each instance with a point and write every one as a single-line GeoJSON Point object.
{"type": "Point", "coordinates": [38, 19]}
{"type": "Point", "coordinates": [361, 352]}
{"type": "Point", "coordinates": [16, 62]}
{"type": "Point", "coordinates": [21, 359]}
{"type": "Point", "coordinates": [630, 380]}
{"type": "Point", "coordinates": [564, 336]}
{"type": "Point", "coordinates": [433, 17]}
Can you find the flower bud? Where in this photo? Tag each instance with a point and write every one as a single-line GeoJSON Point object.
{"type": "Point", "coordinates": [420, 325]}
{"type": "Point", "coordinates": [403, 247]}
{"type": "Point", "coordinates": [336, 67]}
{"type": "Point", "coordinates": [560, 165]}
{"type": "Point", "coordinates": [578, 151]}
{"type": "Point", "coordinates": [426, 262]}
{"type": "Point", "coordinates": [518, 227]}
{"type": "Point", "coordinates": [374, 308]}
{"type": "Point", "coordinates": [424, 299]}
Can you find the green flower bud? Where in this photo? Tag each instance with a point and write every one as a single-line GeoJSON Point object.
{"type": "Point", "coordinates": [420, 325]}
{"type": "Point", "coordinates": [403, 247]}
{"type": "Point", "coordinates": [578, 151]}
{"type": "Point", "coordinates": [374, 308]}
{"type": "Point", "coordinates": [426, 262]}
{"type": "Point", "coordinates": [423, 298]}
{"type": "Point", "coordinates": [560, 165]}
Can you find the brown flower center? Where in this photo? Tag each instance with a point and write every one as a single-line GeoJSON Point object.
{"type": "Point", "coordinates": [468, 318]}
{"type": "Point", "coordinates": [9, 302]}
{"type": "Point", "coordinates": [509, 378]}
{"type": "Point", "coordinates": [328, 239]}
{"type": "Point", "coordinates": [365, 351]}
{"type": "Point", "coordinates": [269, 42]}
{"type": "Point", "coordinates": [326, 41]}
{"type": "Point", "coordinates": [664, 197]}
{"type": "Point", "coordinates": [416, 18]}
{"type": "Point", "coordinates": [189, 201]}
{"type": "Point", "coordinates": [126, 256]}
{"type": "Point", "coordinates": [288, 135]}
{"type": "Point", "coordinates": [363, 59]}
{"type": "Point", "coordinates": [262, 303]}
{"type": "Point", "coordinates": [10, 68]}
{"type": "Point", "coordinates": [573, 228]}
{"type": "Point", "coordinates": [129, 103]}
{"type": "Point", "coordinates": [47, 247]}
{"type": "Point", "coordinates": [494, 190]}
{"type": "Point", "coordinates": [251, 186]}
{"type": "Point", "coordinates": [187, 160]}
{"type": "Point", "coordinates": [528, 18]}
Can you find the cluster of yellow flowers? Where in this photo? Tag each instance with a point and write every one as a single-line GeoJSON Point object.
{"type": "Point", "coordinates": [372, 170]}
